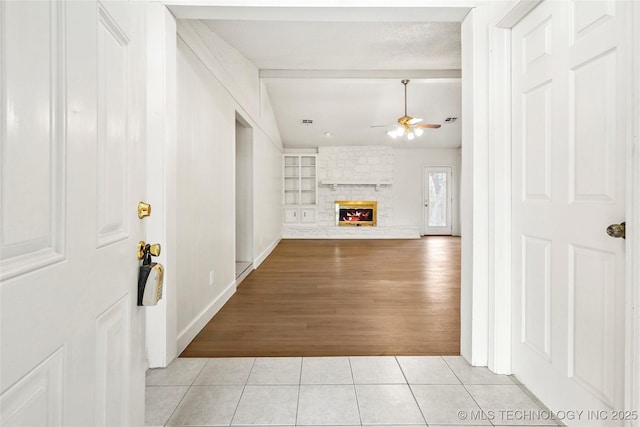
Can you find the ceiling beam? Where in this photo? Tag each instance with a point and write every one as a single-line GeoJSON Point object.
{"type": "Point", "coordinates": [361, 74]}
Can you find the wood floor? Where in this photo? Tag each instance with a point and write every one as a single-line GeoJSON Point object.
{"type": "Point", "coordinates": [343, 297]}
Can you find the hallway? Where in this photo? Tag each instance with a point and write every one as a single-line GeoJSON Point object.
{"type": "Point", "coordinates": [343, 298]}
{"type": "Point", "coordinates": [389, 308]}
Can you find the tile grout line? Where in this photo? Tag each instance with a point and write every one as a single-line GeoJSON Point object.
{"type": "Point", "coordinates": [476, 402]}
{"type": "Point", "coordinates": [411, 390]}
{"type": "Point", "coordinates": [355, 391]}
{"type": "Point", "coordinates": [244, 387]}
{"type": "Point", "coordinates": [466, 389]}
{"type": "Point", "coordinates": [295, 422]}
{"type": "Point", "coordinates": [186, 392]}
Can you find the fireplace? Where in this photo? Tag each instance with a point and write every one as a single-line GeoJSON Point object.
{"type": "Point", "coordinates": [356, 212]}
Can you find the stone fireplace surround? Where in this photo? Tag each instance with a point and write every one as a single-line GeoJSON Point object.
{"type": "Point", "coordinates": [353, 173]}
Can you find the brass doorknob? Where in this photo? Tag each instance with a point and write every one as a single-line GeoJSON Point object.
{"type": "Point", "coordinates": [617, 230]}
{"type": "Point", "coordinates": [153, 249]}
{"type": "Point", "coordinates": [144, 210]}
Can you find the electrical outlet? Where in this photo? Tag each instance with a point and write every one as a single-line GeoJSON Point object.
{"type": "Point", "coordinates": [211, 278]}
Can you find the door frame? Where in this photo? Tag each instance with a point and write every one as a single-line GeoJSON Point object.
{"type": "Point", "coordinates": [500, 128]}
{"type": "Point", "coordinates": [161, 320]}
{"type": "Point", "coordinates": [425, 194]}
{"type": "Point", "coordinates": [633, 218]}
{"type": "Point", "coordinates": [245, 139]}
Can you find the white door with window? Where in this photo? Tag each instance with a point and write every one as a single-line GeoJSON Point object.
{"type": "Point", "coordinates": [570, 129]}
{"type": "Point", "coordinates": [73, 171]}
{"type": "Point", "coordinates": [437, 200]}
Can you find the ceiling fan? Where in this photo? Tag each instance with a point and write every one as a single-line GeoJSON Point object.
{"type": "Point", "coordinates": [408, 125]}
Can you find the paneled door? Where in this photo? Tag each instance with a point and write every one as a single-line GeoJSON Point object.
{"type": "Point", "coordinates": [73, 171]}
{"type": "Point", "coordinates": [570, 127]}
{"type": "Point", "coordinates": [437, 200]}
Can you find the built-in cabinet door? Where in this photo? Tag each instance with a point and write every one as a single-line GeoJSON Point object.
{"type": "Point", "coordinates": [308, 215]}
{"type": "Point", "coordinates": [291, 215]}
{"type": "Point", "coordinates": [72, 165]}
{"type": "Point", "coordinates": [570, 129]}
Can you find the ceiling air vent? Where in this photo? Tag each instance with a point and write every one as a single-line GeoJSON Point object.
{"type": "Point", "coordinates": [307, 122]}
{"type": "Point", "coordinates": [450, 119]}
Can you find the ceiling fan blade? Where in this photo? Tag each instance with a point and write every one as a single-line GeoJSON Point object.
{"type": "Point", "coordinates": [383, 126]}
{"type": "Point", "coordinates": [415, 120]}
{"type": "Point", "coordinates": [427, 126]}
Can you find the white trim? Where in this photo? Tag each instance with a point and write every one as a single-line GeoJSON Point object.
{"type": "Point", "coordinates": [632, 365]}
{"type": "Point", "coordinates": [161, 329]}
{"type": "Point", "coordinates": [260, 258]}
{"type": "Point", "coordinates": [499, 346]}
{"type": "Point", "coordinates": [474, 200]}
{"type": "Point", "coordinates": [200, 321]}
{"type": "Point", "coordinates": [514, 11]}
{"type": "Point", "coordinates": [244, 274]}
{"type": "Point", "coordinates": [303, 231]}
{"type": "Point", "coordinates": [499, 250]}
{"type": "Point", "coordinates": [323, 10]}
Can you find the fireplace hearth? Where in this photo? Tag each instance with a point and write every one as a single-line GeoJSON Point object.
{"type": "Point", "coordinates": [356, 213]}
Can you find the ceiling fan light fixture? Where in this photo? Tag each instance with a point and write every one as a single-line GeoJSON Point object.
{"type": "Point", "coordinates": [407, 125]}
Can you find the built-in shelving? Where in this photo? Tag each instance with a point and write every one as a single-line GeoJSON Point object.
{"type": "Point", "coordinates": [300, 188]}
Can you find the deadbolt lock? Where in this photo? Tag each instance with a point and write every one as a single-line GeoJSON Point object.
{"type": "Point", "coordinates": [144, 210]}
{"type": "Point", "coordinates": [617, 230]}
{"type": "Point", "coordinates": [153, 249]}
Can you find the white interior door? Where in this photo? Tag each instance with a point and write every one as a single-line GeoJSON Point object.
{"type": "Point", "coordinates": [570, 128]}
{"type": "Point", "coordinates": [72, 167]}
{"type": "Point", "coordinates": [437, 200]}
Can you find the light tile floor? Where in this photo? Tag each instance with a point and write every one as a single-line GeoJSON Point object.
{"type": "Point", "coordinates": [336, 391]}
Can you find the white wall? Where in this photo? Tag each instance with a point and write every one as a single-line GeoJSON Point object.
{"type": "Point", "coordinates": [408, 198]}
{"type": "Point", "coordinates": [267, 197]}
{"type": "Point", "coordinates": [208, 101]}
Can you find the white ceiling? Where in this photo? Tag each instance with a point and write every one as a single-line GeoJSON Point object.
{"type": "Point", "coordinates": [344, 45]}
{"type": "Point", "coordinates": [341, 68]}
{"type": "Point", "coordinates": [348, 107]}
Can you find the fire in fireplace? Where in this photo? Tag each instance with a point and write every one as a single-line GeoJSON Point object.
{"type": "Point", "coordinates": [356, 212]}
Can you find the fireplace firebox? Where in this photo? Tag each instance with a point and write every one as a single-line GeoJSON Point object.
{"type": "Point", "coordinates": [356, 212]}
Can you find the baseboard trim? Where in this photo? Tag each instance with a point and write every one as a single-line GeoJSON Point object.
{"type": "Point", "coordinates": [335, 232]}
{"type": "Point", "coordinates": [260, 259]}
{"type": "Point", "coordinates": [189, 333]}
{"type": "Point", "coordinates": [244, 274]}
